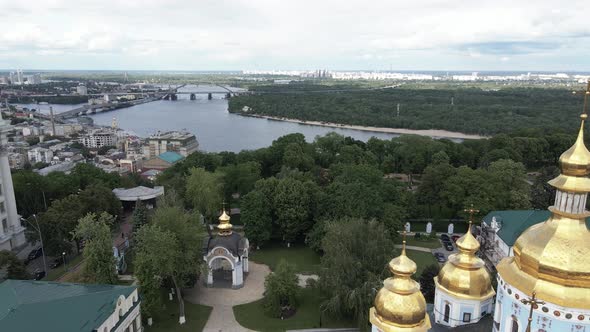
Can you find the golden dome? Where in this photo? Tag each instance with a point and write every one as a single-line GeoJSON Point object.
{"type": "Point", "coordinates": [399, 305]}
{"type": "Point", "coordinates": [552, 259]}
{"type": "Point", "coordinates": [465, 275]}
{"type": "Point", "coordinates": [224, 227]}
{"type": "Point", "coordinates": [575, 166]}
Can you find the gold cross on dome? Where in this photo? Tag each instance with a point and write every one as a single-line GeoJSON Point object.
{"type": "Point", "coordinates": [533, 302]}
{"type": "Point", "coordinates": [471, 212]}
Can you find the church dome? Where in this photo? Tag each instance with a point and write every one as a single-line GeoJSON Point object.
{"type": "Point", "coordinates": [399, 305]}
{"type": "Point", "coordinates": [551, 258]}
{"type": "Point", "coordinates": [465, 275]}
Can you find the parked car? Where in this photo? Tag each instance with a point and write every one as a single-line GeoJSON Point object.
{"type": "Point", "coordinates": [35, 253]}
{"type": "Point", "coordinates": [440, 257]}
{"type": "Point", "coordinates": [449, 246]}
{"type": "Point", "coordinates": [55, 263]}
{"type": "Point", "coordinates": [38, 274]}
{"type": "Point", "coordinates": [455, 238]}
{"type": "Point", "coordinates": [445, 237]}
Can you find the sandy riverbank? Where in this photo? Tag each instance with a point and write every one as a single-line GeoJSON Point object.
{"type": "Point", "coordinates": [435, 133]}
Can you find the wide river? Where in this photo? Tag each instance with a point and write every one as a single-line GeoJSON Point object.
{"type": "Point", "coordinates": [215, 128]}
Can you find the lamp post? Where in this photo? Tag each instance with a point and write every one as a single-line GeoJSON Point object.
{"type": "Point", "coordinates": [63, 255]}
{"type": "Point", "coordinates": [38, 229]}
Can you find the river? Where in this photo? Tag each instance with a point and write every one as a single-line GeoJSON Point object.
{"type": "Point", "coordinates": [215, 128]}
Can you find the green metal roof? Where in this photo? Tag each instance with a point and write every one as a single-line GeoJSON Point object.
{"type": "Point", "coordinates": [515, 222]}
{"type": "Point", "coordinates": [31, 306]}
{"type": "Point", "coordinates": [170, 157]}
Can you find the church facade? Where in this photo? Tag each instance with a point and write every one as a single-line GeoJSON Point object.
{"type": "Point", "coordinates": [226, 255]}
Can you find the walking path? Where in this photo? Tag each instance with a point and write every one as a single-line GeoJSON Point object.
{"type": "Point", "coordinates": [423, 249]}
{"type": "Point", "coordinates": [223, 299]}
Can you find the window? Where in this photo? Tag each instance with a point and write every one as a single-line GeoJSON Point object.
{"type": "Point", "coordinates": [5, 225]}
{"type": "Point", "coordinates": [466, 317]}
{"type": "Point", "coordinates": [2, 209]}
{"type": "Point", "coordinates": [447, 312]}
{"type": "Point", "coordinates": [514, 324]}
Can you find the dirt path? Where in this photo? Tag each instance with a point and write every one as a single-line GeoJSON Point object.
{"type": "Point", "coordinates": [223, 299]}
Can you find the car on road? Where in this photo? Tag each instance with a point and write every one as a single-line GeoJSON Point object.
{"type": "Point", "coordinates": [445, 237]}
{"type": "Point", "coordinates": [35, 253]}
{"type": "Point", "coordinates": [38, 274]}
{"type": "Point", "coordinates": [440, 257]}
{"type": "Point", "coordinates": [448, 246]}
{"type": "Point", "coordinates": [55, 263]}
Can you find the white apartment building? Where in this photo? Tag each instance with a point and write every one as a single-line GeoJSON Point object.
{"type": "Point", "coordinates": [99, 139]}
{"type": "Point", "coordinates": [82, 90]}
{"type": "Point", "coordinates": [182, 142]}
{"type": "Point", "coordinates": [40, 155]}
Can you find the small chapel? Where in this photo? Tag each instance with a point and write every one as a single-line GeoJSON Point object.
{"type": "Point", "coordinates": [226, 256]}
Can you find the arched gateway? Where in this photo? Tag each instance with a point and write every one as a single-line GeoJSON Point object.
{"type": "Point", "coordinates": [226, 255]}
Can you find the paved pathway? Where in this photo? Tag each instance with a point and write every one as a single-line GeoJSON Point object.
{"type": "Point", "coordinates": [423, 249]}
{"type": "Point", "coordinates": [223, 299]}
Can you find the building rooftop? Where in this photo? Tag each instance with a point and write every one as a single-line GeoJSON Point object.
{"type": "Point", "coordinates": [141, 192]}
{"type": "Point", "coordinates": [27, 305]}
{"type": "Point", "coordinates": [173, 135]}
{"type": "Point", "coordinates": [515, 222]}
{"type": "Point", "coordinates": [171, 157]}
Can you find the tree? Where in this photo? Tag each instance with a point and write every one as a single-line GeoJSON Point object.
{"type": "Point", "coordinates": [98, 198]}
{"type": "Point", "coordinates": [205, 191]}
{"type": "Point", "coordinates": [292, 203]}
{"type": "Point", "coordinates": [15, 268]}
{"type": "Point", "coordinates": [256, 215]}
{"type": "Point", "coordinates": [356, 253]}
{"type": "Point", "coordinates": [156, 253]}
{"type": "Point", "coordinates": [281, 290]}
{"type": "Point", "coordinates": [240, 178]}
{"type": "Point", "coordinates": [427, 281]}
{"type": "Point", "coordinates": [99, 263]}
{"type": "Point", "coordinates": [139, 216]}
{"type": "Point", "coordinates": [180, 262]}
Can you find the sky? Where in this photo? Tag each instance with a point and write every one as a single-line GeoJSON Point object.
{"type": "Point", "coordinates": [528, 35]}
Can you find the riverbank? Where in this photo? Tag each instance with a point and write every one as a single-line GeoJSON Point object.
{"type": "Point", "coordinates": [434, 133]}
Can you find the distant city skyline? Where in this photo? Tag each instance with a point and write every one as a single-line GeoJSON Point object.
{"type": "Point", "coordinates": [182, 35]}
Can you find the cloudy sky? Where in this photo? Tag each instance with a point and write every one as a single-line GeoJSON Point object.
{"type": "Point", "coordinates": [295, 34]}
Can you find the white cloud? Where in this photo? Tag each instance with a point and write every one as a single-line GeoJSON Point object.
{"type": "Point", "coordinates": [304, 33]}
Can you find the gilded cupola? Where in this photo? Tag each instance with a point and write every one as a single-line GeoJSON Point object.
{"type": "Point", "coordinates": [224, 227]}
{"type": "Point", "coordinates": [551, 258]}
{"type": "Point", "coordinates": [464, 275]}
{"type": "Point", "coordinates": [399, 305]}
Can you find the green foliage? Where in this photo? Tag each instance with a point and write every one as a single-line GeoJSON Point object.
{"type": "Point", "coordinates": [205, 191]}
{"type": "Point", "coordinates": [292, 206]}
{"type": "Point", "coordinates": [356, 253]}
{"type": "Point", "coordinates": [256, 217]}
{"type": "Point", "coordinates": [281, 290]}
{"type": "Point", "coordinates": [426, 280]}
{"type": "Point", "coordinates": [474, 111]}
{"type": "Point", "coordinates": [15, 268]}
{"type": "Point", "coordinates": [99, 263]}
{"type": "Point", "coordinates": [139, 216]}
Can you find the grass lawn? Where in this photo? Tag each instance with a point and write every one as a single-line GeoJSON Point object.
{"type": "Point", "coordinates": [53, 274]}
{"type": "Point", "coordinates": [422, 260]}
{"type": "Point", "coordinates": [251, 316]}
{"type": "Point", "coordinates": [167, 320]}
{"type": "Point", "coordinates": [306, 260]}
{"type": "Point", "coordinates": [422, 242]}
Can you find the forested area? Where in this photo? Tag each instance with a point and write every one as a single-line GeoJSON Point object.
{"type": "Point", "coordinates": [467, 110]}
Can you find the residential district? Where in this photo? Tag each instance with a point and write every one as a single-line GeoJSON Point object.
{"type": "Point", "coordinates": [541, 257]}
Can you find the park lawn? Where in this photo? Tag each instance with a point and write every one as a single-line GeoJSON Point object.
{"type": "Point", "coordinates": [306, 261]}
{"type": "Point", "coordinates": [166, 320]}
{"type": "Point", "coordinates": [251, 315]}
{"type": "Point", "coordinates": [422, 242]}
{"type": "Point", "coordinates": [59, 271]}
{"type": "Point", "coordinates": [422, 260]}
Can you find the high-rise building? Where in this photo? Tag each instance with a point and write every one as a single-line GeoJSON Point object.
{"type": "Point", "coordinates": [12, 233]}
